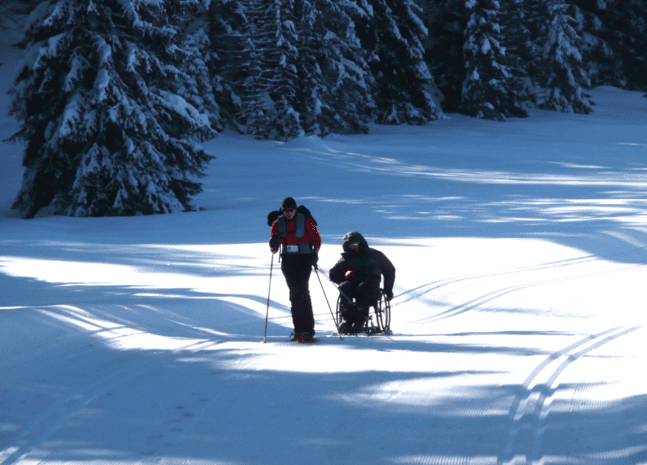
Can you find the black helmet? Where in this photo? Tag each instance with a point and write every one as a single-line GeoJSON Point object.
{"type": "Point", "coordinates": [353, 243]}
{"type": "Point", "coordinates": [288, 204]}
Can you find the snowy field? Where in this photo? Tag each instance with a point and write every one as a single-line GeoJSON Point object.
{"type": "Point", "coordinates": [519, 311]}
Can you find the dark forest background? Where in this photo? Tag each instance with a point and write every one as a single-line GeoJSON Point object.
{"type": "Point", "coordinates": [114, 95]}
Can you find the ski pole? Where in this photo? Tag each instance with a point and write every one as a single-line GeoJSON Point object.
{"type": "Point", "coordinates": [267, 313]}
{"type": "Point", "coordinates": [331, 281]}
{"type": "Point", "coordinates": [329, 307]}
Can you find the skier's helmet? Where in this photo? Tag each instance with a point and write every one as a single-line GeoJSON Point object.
{"type": "Point", "coordinates": [353, 243]}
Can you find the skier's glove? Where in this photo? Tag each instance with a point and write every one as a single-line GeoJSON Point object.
{"type": "Point", "coordinates": [315, 259]}
{"type": "Point", "coordinates": [389, 295]}
{"type": "Point", "coordinates": [274, 244]}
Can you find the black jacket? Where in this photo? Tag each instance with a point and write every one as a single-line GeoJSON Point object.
{"type": "Point", "coordinates": [367, 264]}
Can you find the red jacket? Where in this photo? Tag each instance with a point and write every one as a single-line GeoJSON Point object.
{"type": "Point", "coordinates": [311, 234]}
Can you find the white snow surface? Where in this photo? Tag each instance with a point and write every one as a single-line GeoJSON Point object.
{"type": "Point", "coordinates": [519, 322]}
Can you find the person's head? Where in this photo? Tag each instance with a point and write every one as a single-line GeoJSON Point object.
{"type": "Point", "coordinates": [354, 243]}
{"type": "Point", "coordinates": [289, 207]}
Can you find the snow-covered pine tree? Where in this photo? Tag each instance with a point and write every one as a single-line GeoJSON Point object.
{"type": "Point", "coordinates": [520, 51]}
{"type": "Point", "coordinates": [105, 133]}
{"type": "Point", "coordinates": [490, 91]}
{"type": "Point", "coordinates": [566, 74]}
{"type": "Point", "coordinates": [253, 101]}
{"type": "Point", "coordinates": [334, 81]}
{"type": "Point", "coordinates": [274, 115]}
{"type": "Point", "coordinates": [225, 39]}
{"type": "Point", "coordinates": [309, 73]}
{"type": "Point", "coordinates": [629, 23]}
{"type": "Point", "coordinates": [394, 37]}
{"type": "Point", "coordinates": [447, 20]}
{"type": "Point", "coordinates": [190, 18]}
{"type": "Point", "coordinates": [534, 21]}
{"type": "Point", "coordinates": [312, 76]}
{"type": "Point", "coordinates": [603, 65]}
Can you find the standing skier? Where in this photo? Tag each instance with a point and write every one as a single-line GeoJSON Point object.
{"type": "Point", "coordinates": [358, 273]}
{"type": "Point", "coordinates": [294, 231]}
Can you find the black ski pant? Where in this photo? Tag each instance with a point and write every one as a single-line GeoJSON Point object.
{"type": "Point", "coordinates": [364, 293]}
{"type": "Point", "coordinates": [297, 270]}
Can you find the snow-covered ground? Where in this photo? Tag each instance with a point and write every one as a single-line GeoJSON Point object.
{"type": "Point", "coordinates": [519, 312]}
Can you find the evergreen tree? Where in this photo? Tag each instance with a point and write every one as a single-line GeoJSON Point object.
{"type": "Point", "coordinates": [334, 87]}
{"type": "Point", "coordinates": [520, 49]}
{"type": "Point", "coordinates": [105, 132]}
{"type": "Point", "coordinates": [227, 48]}
{"type": "Point", "coordinates": [607, 26]}
{"type": "Point", "coordinates": [275, 116]}
{"type": "Point", "coordinates": [490, 91]}
{"type": "Point", "coordinates": [253, 100]}
{"type": "Point", "coordinates": [447, 20]}
{"type": "Point", "coordinates": [566, 75]}
{"type": "Point", "coordinates": [394, 37]}
{"type": "Point", "coordinates": [312, 74]}
{"type": "Point", "coordinates": [629, 23]}
{"type": "Point", "coordinates": [535, 21]}
{"type": "Point", "coordinates": [601, 62]}
{"type": "Point", "coordinates": [196, 86]}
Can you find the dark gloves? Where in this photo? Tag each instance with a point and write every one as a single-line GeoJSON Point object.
{"type": "Point", "coordinates": [388, 295]}
{"type": "Point", "coordinates": [274, 244]}
{"type": "Point", "coordinates": [314, 257]}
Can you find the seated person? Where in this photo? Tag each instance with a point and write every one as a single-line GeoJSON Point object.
{"type": "Point", "coordinates": [358, 273]}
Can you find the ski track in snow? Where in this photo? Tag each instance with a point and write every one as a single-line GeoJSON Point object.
{"type": "Point", "coordinates": [420, 291]}
{"type": "Point", "coordinates": [532, 405]}
{"type": "Point", "coordinates": [490, 297]}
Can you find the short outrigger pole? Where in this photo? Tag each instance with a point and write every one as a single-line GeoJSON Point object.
{"type": "Point", "coordinates": [324, 293]}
